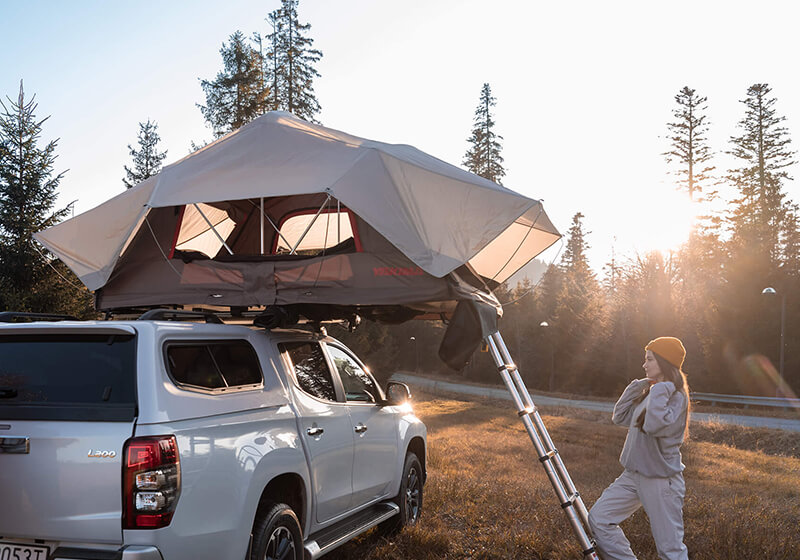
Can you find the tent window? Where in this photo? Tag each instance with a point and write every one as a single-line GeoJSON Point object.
{"type": "Point", "coordinates": [195, 233]}
{"type": "Point", "coordinates": [331, 229]}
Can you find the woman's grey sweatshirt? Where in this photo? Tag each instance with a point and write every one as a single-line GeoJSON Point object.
{"type": "Point", "coordinates": [653, 451]}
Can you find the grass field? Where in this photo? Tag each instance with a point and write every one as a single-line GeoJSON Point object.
{"type": "Point", "coordinates": [487, 497]}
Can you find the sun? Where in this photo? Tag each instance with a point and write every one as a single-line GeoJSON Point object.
{"type": "Point", "coordinates": [666, 221]}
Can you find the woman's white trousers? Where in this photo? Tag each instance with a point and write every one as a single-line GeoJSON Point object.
{"type": "Point", "coordinates": [662, 499]}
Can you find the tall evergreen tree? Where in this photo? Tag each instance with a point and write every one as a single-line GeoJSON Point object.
{"type": "Point", "coordinates": [27, 198]}
{"type": "Point", "coordinates": [762, 150]}
{"type": "Point", "coordinates": [146, 159]}
{"type": "Point", "coordinates": [756, 249]}
{"type": "Point", "coordinates": [263, 70]}
{"type": "Point", "coordinates": [291, 59]}
{"type": "Point", "coordinates": [483, 157]}
{"type": "Point", "coordinates": [236, 96]}
{"type": "Point", "coordinates": [689, 144]}
{"type": "Point", "coordinates": [578, 315]}
{"type": "Point", "coordinates": [575, 260]}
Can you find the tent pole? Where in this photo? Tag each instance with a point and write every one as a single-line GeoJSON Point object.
{"type": "Point", "coordinates": [196, 207]}
{"type": "Point", "coordinates": [261, 201]}
{"type": "Point", "coordinates": [568, 496]}
{"type": "Point", "coordinates": [265, 215]}
{"type": "Point", "coordinates": [308, 227]}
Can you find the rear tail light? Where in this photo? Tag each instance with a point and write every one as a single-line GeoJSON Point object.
{"type": "Point", "coordinates": [151, 479]}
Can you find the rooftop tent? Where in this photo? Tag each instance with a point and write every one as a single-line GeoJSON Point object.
{"type": "Point", "coordinates": [285, 212]}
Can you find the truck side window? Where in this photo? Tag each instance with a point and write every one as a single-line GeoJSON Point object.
{"type": "Point", "coordinates": [310, 368]}
{"type": "Point", "coordinates": [214, 365]}
{"type": "Point", "coordinates": [358, 385]}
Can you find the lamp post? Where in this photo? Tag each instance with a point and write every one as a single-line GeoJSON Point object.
{"type": "Point", "coordinates": [545, 325]}
{"type": "Point", "coordinates": [416, 352]}
{"type": "Point", "coordinates": [769, 291]}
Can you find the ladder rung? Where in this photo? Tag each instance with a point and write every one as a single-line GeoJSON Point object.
{"type": "Point", "coordinates": [527, 411]}
{"type": "Point", "coordinates": [571, 500]}
{"type": "Point", "coordinates": [549, 455]}
{"type": "Point", "coordinates": [589, 551]}
{"type": "Point", "coordinates": [509, 367]}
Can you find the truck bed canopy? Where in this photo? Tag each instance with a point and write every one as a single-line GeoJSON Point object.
{"type": "Point", "coordinates": [286, 212]}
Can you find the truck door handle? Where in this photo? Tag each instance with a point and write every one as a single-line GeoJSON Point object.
{"type": "Point", "coordinates": [12, 444]}
{"type": "Point", "coordinates": [360, 428]}
{"type": "Point", "coordinates": [314, 431]}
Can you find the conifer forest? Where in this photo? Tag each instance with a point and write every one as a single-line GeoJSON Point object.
{"type": "Point", "coordinates": [730, 292]}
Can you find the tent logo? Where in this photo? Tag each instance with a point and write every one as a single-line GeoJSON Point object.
{"type": "Point", "coordinates": [397, 271]}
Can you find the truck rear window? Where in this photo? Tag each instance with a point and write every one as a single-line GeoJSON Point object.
{"type": "Point", "coordinates": [68, 377]}
{"type": "Point", "coordinates": [215, 366]}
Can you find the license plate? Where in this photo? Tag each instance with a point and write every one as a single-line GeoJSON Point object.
{"type": "Point", "coordinates": [14, 551]}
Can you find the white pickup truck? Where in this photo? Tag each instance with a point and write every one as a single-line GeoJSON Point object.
{"type": "Point", "coordinates": [178, 440]}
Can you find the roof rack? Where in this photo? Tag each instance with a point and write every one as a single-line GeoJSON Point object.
{"type": "Point", "coordinates": [25, 317]}
{"type": "Point", "coordinates": [179, 314]}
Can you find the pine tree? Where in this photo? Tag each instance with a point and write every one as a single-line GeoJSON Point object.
{"type": "Point", "coordinates": [27, 198]}
{"type": "Point", "coordinates": [483, 157]}
{"type": "Point", "coordinates": [575, 261]}
{"type": "Point", "coordinates": [291, 59]}
{"type": "Point", "coordinates": [263, 70]}
{"type": "Point", "coordinates": [578, 315]}
{"type": "Point", "coordinates": [763, 152]}
{"type": "Point", "coordinates": [758, 217]}
{"type": "Point", "coordinates": [276, 101]}
{"type": "Point", "coordinates": [147, 159]}
{"type": "Point", "coordinates": [689, 141]}
{"type": "Point", "coordinates": [236, 96]}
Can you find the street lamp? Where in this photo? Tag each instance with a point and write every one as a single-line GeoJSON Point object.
{"type": "Point", "coordinates": [769, 291]}
{"type": "Point", "coordinates": [416, 352]}
{"type": "Point", "coordinates": [545, 325]}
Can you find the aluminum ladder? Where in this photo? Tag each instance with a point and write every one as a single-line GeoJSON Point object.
{"type": "Point", "coordinates": [568, 496]}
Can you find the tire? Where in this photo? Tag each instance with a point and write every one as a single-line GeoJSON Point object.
{"type": "Point", "coordinates": [276, 534]}
{"type": "Point", "coordinates": [409, 498]}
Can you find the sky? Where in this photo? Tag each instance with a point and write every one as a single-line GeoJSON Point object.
{"type": "Point", "coordinates": [584, 89]}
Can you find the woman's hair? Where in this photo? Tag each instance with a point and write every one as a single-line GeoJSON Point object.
{"type": "Point", "coordinates": [678, 378]}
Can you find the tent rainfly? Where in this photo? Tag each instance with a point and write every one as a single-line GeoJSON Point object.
{"type": "Point", "coordinates": [283, 212]}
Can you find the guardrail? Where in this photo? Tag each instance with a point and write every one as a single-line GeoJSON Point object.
{"type": "Point", "coordinates": [778, 402]}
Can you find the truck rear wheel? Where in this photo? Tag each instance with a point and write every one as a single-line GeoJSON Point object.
{"type": "Point", "coordinates": [277, 534]}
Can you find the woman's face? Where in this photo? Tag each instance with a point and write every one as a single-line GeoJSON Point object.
{"type": "Point", "coordinates": [651, 368]}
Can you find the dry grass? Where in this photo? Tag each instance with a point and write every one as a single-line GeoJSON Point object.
{"type": "Point", "coordinates": [488, 498]}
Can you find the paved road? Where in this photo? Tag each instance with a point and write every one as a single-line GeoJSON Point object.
{"type": "Point", "coordinates": [502, 393]}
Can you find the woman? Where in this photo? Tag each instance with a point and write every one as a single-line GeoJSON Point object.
{"type": "Point", "coordinates": [656, 411]}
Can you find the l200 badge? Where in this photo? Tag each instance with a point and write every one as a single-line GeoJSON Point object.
{"type": "Point", "coordinates": [98, 454]}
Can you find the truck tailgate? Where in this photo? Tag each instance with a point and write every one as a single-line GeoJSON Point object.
{"type": "Point", "coordinates": [67, 487]}
{"type": "Point", "coordinates": [67, 406]}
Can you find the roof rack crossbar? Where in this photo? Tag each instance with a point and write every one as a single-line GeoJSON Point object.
{"type": "Point", "coordinates": [177, 314]}
{"type": "Point", "coordinates": [15, 316]}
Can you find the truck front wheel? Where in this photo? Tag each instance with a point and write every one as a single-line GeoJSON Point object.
{"type": "Point", "coordinates": [409, 498]}
{"type": "Point", "coordinates": [276, 534]}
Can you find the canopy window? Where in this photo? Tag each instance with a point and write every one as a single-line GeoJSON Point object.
{"type": "Point", "coordinates": [310, 233]}
{"type": "Point", "coordinates": [246, 229]}
{"type": "Point", "coordinates": [203, 229]}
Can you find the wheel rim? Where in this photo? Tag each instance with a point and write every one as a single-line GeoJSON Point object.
{"type": "Point", "coordinates": [280, 545]}
{"type": "Point", "coordinates": [413, 493]}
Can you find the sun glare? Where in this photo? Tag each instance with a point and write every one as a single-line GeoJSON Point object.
{"type": "Point", "coordinates": [665, 222]}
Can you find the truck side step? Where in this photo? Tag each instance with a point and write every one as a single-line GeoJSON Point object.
{"type": "Point", "coordinates": [329, 538]}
